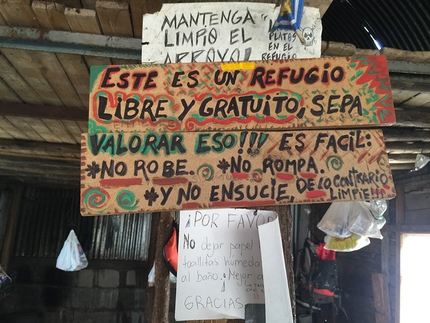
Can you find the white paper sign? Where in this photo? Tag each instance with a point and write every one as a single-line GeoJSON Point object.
{"type": "Point", "coordinates": [278, 303]}
{"type": "Point", "coordinates": [219, 264]}
{"type": "Point", "coordinates": [223, 32]}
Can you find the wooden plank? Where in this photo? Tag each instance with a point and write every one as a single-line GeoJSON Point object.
{"type": "Point", "coordinates": [114, 18]}
{"type": "Point", "coordinates": [59, 131]}
{"type": "Point", "coordinates": [138, 8]}
{"type": "Point", "coordinates": [417, 217]}
{"type": "Point", "coordinates": [120, 61]}
{"type": "Point", "coordinates": [57, 78]}
{"type": "Point", "coordinates": [24, 64]}
{"type": "Point", "coordinates": [97, 61]}
{"type": "Point", "coordinates": [400, 97]}
{"type": "Point", "coordinates": [420, 100]}
{"type": "Point", "coordinates": [17, 83]}
{"type": "Point", "coordinates": [381, 297]}
{"type": "Point", "coordinates": [43, 148]}
{"type": "Point", "coordinates": [73, 128]}
{"type": "Point", "coordinates": [3, 133]}
{"type": "Point", "coordinates": [2, 20]}
{"type": "Point", "coordinates": [255, 168]}
{"type": "Point", "coordinates": [417, 200]}
{"type": "Point", "coordinates": [89, 4]}
{"type": "Point", "coordinates": [7, 94]}
{"type": "Point", "coordinates": [24, 127]}
{"type": "Point", "coordinates": [73, 3]}
{"type": "Point", "coordinates": [83, 126]}
{"type": "Point", "coordinates": [42, 167]}
{"type": "Point", "coordinates": [50, 15]}
{"type": "Point", "coordinates": [18, 13]}
{"type": "Point", "coordinates": [82, 20]}
{"type": "Point", "coordinates": [11, 129]}
{"type": "Point", "coordinates": [73, 65]}
{"type": "Point", "coordinates": [400, 205]}
{"type": "Point", "coordinates": [322, 5]}
{"type": "Point", "coordinates": [40, 127]}
{"type": "Point", "coordinates": [78, 74]}
{"type": "Point", "coordinates": [85, 21]}
{"type": "Point", "coordinates": [247, 95]}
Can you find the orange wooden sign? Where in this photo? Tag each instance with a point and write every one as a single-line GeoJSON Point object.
{"type": "Point", "coordinates": [305, 93]}
{"type": "Point", "coordinates": [156, 171]}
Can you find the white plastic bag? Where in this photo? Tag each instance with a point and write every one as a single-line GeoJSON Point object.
{"type": "Point", "coordinates": [335, 221]}
{"type": "Point", "coordinates": [72, 256]}
{"type": "Point", "coordinates": [364, 220]}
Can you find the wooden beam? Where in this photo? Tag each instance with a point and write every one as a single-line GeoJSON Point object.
{"type": "Point", "coordinates": [393, 134]}
{"type": "Point", "coordinates": [403, 167]}
{"type": "Point", "coordinates": [416, 117]}
{"type": "Point", "coordinates": [42, 111]}
{"type": "Point", "coordinates": [46, 168]}
{"type": "Point", "coordinates": [39, 149]}
{"type": "Point", "coordinates": [322, 5]}
{"type": "Point", "coordinates": [381, 298]}
{"type": "Point", "coordinates": [408, 148]}
{"type": "Point", "coordinates": [160, 310]}
{"type": "Point", "coordinates": [402, 158]}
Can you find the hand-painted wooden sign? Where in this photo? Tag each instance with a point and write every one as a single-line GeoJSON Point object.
{"type": "Point", "coordinates": [308, 93]}
{"type": "Point", "coordinates": [152, 171]}
{"type": "Point", "coordinates": [223, 32]}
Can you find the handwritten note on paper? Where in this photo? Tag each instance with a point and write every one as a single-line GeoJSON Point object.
{"type": "Point", "coordinates": [220, 32]}
{"type": "Point", "coordinates": [219, 266]}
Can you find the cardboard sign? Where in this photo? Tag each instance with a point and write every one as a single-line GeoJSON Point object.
{"type": "Point", "coordinates": [308, 93]}
{"type": "Point", "coordinates": [219, 264]}
{"type": "Point", "coordinates": [223, 32]}
{"type": "Point", "coordinates": [147, 172]}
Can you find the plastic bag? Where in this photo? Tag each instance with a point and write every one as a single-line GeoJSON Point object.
{"type": "Point", "coordinates": [72, 256]}
{"type": "Point", "coordinates": [352, 243]}
{"type": "Point", "coordinates": [363, 222]}
{"type": "Point", "coordinates": [335, 221]}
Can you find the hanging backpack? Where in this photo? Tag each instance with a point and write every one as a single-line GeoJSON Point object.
{"type": "Point", "coordinates": [316, 275]}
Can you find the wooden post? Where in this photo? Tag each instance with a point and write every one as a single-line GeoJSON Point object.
{"type": "Point", "coordinates": [151, 258]}
{"type": "Point", "coordinates": [11, 226]}
{"type": "Point", "coordinates": [381, 298]}
{"type": "Point", "coordinates": [160, 310]}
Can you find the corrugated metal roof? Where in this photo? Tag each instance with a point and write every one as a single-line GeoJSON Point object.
{"type": "Point", "coordinates": [392, 23]}
{"type": "Point", "coordinates": [47, 216]}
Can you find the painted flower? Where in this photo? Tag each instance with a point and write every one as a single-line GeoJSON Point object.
{"type": "Point", "coordinates": [223, 165]}
{"type": "Point", "coordinates": [151, 196]}
{"type": "Point", "coordinates": [93, 169]}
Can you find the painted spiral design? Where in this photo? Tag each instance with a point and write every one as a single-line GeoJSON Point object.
{"type": "Point", "coordinates": [206, 171]}
{"type": "Point", "coordinates": [190, 124]}
{"type": "Point", "coordinates": [382, 162]}
{"type": "Point", "coordinates": [173, 125]}
{"type": "Point", "coordinates": [334, 162]}
{"type": "Point", "coordinates": [257, 175]}
{"type": "Point", "coordinates": [127, 200]}
{"type": "Point", "coordinates": [94, 128]}
{"type": "Point", "coordinates": [96, 199]}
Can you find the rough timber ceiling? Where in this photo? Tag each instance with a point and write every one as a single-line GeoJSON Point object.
{"type": "Point", "coordinates": [44, 92]}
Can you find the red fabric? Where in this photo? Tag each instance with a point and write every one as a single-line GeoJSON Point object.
{"type": "Point", "coordinates": [170, 250]}
{"type": "Point", "coordinates": [325, 292]}
{"type": "Point", "coordinates": [325, 254]}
